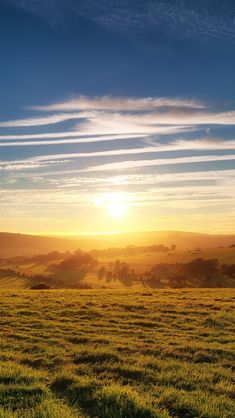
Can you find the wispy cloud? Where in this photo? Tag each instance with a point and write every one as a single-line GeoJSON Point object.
{"type": "Point", "coordinates": [21, 165]}
{"type": "Point", "coordinates": [48, 120]}
{"type": "Point", "coordinates": [182, 18]}
{"type": "Point", "coordinates": [79, 140]}
{"type": "Point", "coordinates": [179, 145]}
{"type": "Point", "coordinates": [116, 117]}
{"type": "Point", "coordinates": [202, 178]}
{"type": "Point", "coordinates": [167, 195]}
{"type": "Point", "coordinates": [127, 165]}
{"type": "Point", "coordinates": [51, 135]}
{"type": "Point", "coordinates": [133, 165]}
{"type": "Point", "coordinates": [150, 123]}
{"type": "Point", "coordinates": [118, 144]}
{"type": "Point", "coordinates": [69, 156]}
{"type": "Point", "coordinates": [120, 104]}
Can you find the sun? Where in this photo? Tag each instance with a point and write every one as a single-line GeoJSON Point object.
{"type": "Point", "coordinates": [116, 210]}
{"type": "Point", "coordinates": [113, 203]}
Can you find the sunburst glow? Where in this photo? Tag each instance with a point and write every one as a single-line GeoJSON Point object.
{"type": "Point", "coordinates": [113, 203]}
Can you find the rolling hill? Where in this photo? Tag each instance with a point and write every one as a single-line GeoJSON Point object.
{"type": "Point", "coordinates": [21, 244]}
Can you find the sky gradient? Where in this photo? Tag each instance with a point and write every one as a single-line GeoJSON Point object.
{"type": "Point", "coordinates": [117, 116]}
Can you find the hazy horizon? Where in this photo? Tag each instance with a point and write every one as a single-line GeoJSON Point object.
{"type": "Point", "coordinates": [134, 232]}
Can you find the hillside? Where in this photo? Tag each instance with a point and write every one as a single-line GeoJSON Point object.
{"type": "Point", "coordinates": [22, 244]}
{"type": "Point", "coordinates": [154, 266]}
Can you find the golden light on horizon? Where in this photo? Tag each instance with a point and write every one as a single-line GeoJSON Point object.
{"type": "Point", "coordinates": [114, 204]}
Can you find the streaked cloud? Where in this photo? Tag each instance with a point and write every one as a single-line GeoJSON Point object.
{"type": "Point", "coordinates": [120, 104]}
{"type": "Point", "coordinates": [171, 150]}
{"type": "Point", "coordinates": [127, 165]}
{"type": "Point", "coordinates": [163, 194]}
{"type": "Point", "coordinates": [80, 140]}
{"type": "Point", "coordinates": [198, 178]}
{"type": "Point", "coordinates": [182, 18]}
{"type": "Point", "coordinates": [52, 135]}
{"type": "Point", "coordinates": [107, 118]}
{"type": "Point", "coordinates": [48, 120]}
{"type": "Point", "coordinates": [118, 144]}
{"type": "Point", "coordinates": [150, 123]}
{"type": "Point", "coordinates": [179, 145]}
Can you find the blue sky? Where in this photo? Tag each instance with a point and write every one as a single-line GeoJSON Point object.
{"type": "Point", "coordinates": [126, 103]}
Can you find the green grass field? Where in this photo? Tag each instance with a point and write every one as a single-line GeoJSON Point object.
{"type": "Point", "coordinates": [123, 354]}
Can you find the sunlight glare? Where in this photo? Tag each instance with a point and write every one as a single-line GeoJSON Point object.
{"type": "Point", "coordinates": [114, 203]}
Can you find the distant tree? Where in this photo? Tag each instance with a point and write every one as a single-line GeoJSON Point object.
{"type": "Point", "coordinates": [43, 258]}
{"type": "Point", "coordinates": [161, 271]}
{"type": "Point", "coordinates": [109, 275]}
{"type": "Point", "coordinates": [124, 271]}
{"type": "Point", "coordinates": [116, 268]}
{"type": "Point", "coordinates": [101, 272]}
{"type": "Point", "coordinates": [74, 267]}
{"type": "Point", "coordinates": [206, 270]}
{"type": "Point", "coordinates": [40, 286]}
{"type": "Point", "coordinates": [78, 260]}
{"type": "Point", "coordinates": [179, 280]}
{"type": "Point", "coordinates": [228, 270]}
{"type": "Point", "coordinates": [132, 272]}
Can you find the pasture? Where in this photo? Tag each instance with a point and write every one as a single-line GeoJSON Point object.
{"type": "Point", "coordinates": [142, 262]}
{"type": "Point", "coordinates": [117, 354]}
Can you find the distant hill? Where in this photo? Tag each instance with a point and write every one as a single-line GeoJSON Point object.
{"type": "Point", "coordinates": [182, 240]}
{"type": "Point", "coordinates": [22, 244]}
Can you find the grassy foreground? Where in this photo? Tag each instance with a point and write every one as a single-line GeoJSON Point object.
{"type": "Point", "coordinates": [117, 354]}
